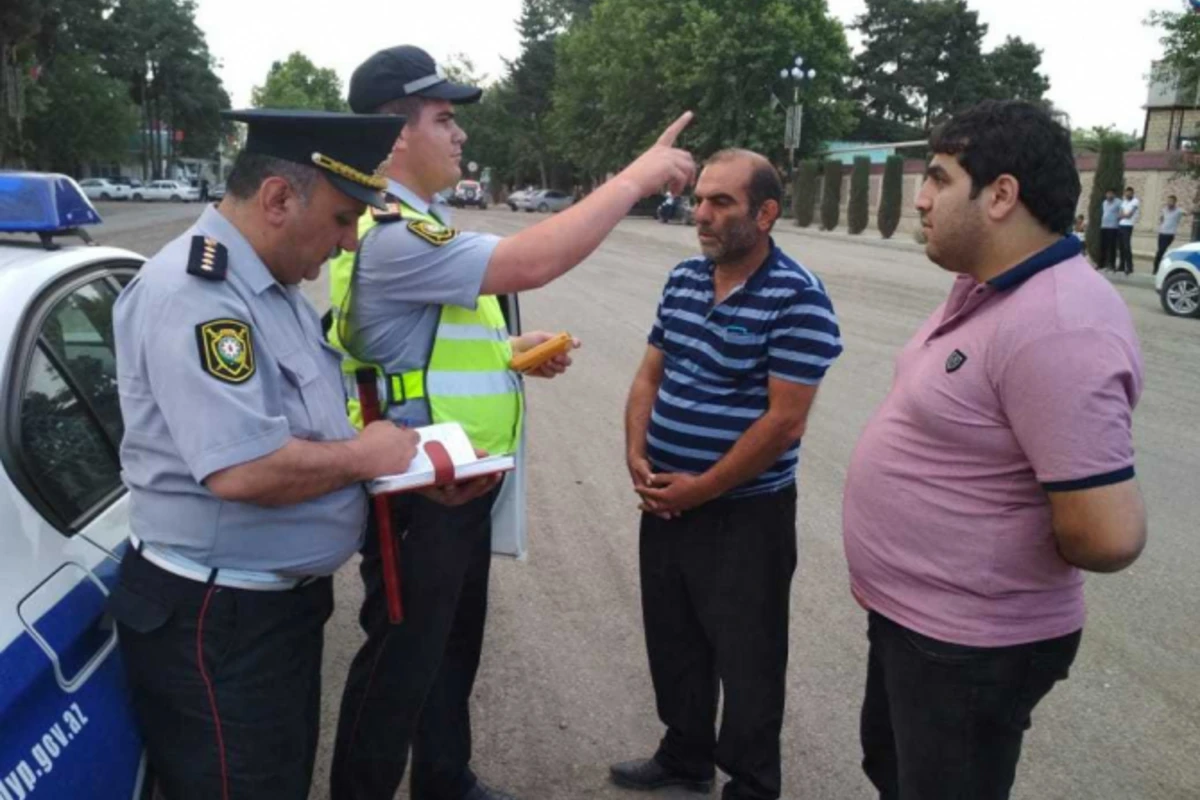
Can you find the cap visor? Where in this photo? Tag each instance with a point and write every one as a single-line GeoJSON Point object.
{"type": "Point", "coordinates": [369, 196]}
{"type": "Point", "coordinates": [454, 92]}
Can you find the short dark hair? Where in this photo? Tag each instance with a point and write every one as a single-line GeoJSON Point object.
{"type": "Point", "coordinates": [765, 183]}
{"type": "Point", "coordinates": [1018, 138]}
{"type": "Point", "coordinates": [1172, 197]}
{"type": "Point", "coordinates": [251, 169]}
{"type": "Point", "coordinates": [408, 107]}
{"type": "Point", "coordinates": [1130, 189]}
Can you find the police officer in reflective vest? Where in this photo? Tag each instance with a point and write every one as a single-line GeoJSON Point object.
{"type": "Point", "coordinates": [243, 472]}
{"type": "Point", "coordinates": [417, 304]}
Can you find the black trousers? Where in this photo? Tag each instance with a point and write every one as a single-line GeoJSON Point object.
{"type": "Point", "coordinates": [716, 585]}
{"type": "Point", "coordinates": [410, 684]}
{"type": "Point", "coordinates": [226, 683]}
{"type": "Point", "coordinates": [945, 721]}
{"type": "Point", "coordinates": [1126, 265]}
{"type": "Point", "coordinates": [1165, 240]}
{"type": "Point", "coordinates": [1110, 243]}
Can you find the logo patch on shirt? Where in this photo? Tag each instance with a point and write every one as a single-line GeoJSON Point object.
{"type": "Point", "coordinates": [226, 350]}
{"type": "Point", "coordinates": [955, 361]}
{"type": "Point", "coordinates": [431, 232]}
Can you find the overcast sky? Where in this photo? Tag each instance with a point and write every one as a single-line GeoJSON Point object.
{"type": "Point", "coordinates": [1096, 52]}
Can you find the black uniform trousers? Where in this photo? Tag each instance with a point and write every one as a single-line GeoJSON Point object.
{"type": "Point", "coordinates": [226, 683]}
{"type": "Point", "coordinates": [945, 721]}
{"type": "Point", "coordinates": [716, 584]}
{"type": "Point", "coordinates": [410, 684]}
{"type": "Point", "coordinates": [1110, 243]}
{"type": "Point", "coordinates": [1165, 240]}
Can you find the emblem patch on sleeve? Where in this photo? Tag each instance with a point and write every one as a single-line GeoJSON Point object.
{"type": "Point", "coordinates": [431, 232]}
{"type": "Point", "coordinates": [226, 350]}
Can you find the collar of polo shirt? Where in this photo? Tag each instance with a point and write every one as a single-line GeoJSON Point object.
{"type": "Point", "coordinates": [1060, 251]}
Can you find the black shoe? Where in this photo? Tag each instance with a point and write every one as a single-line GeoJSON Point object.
{"type": "Point", "coordinates": [647, 774]}
{"type": "Point", "coordinates": [481, 791]}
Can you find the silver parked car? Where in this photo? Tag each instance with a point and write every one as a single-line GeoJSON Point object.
{"type": "Point", "coordinates": [104, 189]}
{"type": "Point", "coordinates": [547, 200]}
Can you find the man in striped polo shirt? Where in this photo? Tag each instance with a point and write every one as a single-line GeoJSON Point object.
{"type": "Point", "coordinates": [713, 425]}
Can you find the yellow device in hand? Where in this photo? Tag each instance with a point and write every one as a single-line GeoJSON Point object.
{"type": "Point", "coordinates": [536, 356]}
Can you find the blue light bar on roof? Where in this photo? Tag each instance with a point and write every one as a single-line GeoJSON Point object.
{"type": "Point", "coordinates": [42, 202]}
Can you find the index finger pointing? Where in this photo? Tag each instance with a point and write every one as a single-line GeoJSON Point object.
{"type": "Point", "coordinates": [672, 132]}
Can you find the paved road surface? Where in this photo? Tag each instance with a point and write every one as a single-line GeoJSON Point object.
{"type": "Point", "coordinates": [563, 688]}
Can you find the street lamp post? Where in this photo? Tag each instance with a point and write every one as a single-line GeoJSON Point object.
{"type": "Point", "coordinates": [795, 120]}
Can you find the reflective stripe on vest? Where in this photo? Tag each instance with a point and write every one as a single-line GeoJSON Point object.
{"type": "Point", "coordinates": [467, 379]}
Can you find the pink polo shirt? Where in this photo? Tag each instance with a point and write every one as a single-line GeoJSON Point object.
{"type": "Point", "coordinates": [1012, 388]}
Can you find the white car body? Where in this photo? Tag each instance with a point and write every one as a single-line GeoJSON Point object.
{"type": "Point", "coordinates": [1177, 281]}
{"type": "Point", "coordinates": [104, 189]}
{"type": "Point", "coordinates": [176, 191]}
{"type": "Point", "coordinates": [66, 725]}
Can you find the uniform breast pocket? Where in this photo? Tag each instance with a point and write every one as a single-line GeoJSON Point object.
{"type": "Point", "coordinates": [300, 392]}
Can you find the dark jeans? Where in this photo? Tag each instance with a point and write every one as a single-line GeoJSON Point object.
{"type": "Point", "coordinates": [1165, 240]}
{"type": "Point", "coordinates": [410, 684]}
{"type": "Point", "coordinates": [1127, 249]}
{"type": "Point", "coordinates": [1110, 243]}
{"type": "Point", "coordinates": [945, 721]}
{"type": "Point", "coordinates": [226, 683]}
{"type": "Point", "coordinates": [715, 589]}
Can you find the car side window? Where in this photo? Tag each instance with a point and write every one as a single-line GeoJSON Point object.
{"type": "Point", "coordinates": [70, 417]}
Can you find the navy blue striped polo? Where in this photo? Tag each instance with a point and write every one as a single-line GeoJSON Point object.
{"type": "Point", "coordinates": [717, 359]}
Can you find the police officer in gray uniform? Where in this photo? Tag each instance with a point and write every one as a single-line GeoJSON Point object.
{"type": "Point", "coordinates": [245, 476]}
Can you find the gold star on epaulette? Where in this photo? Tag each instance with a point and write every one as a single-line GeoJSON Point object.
{"type": "Point", "coordinates": [208, 259]}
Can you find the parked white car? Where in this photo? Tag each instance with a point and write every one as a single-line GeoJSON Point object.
{"type": "Point", "coordinates": [547, 200]}
{"type": "Point", "coordinates": [175, 191]}
{"type": "Point", "coordinates": [104, 189]}
{"type": "Point", "coordinates": [516, 200]}
{"type": "Point", "coordinates": [1178, 281]}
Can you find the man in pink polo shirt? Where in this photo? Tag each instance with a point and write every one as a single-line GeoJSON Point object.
{"type": "Point", "coordinates": [999, 466]}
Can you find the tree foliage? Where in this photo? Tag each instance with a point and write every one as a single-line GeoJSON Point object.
{"type": "Point", "coordinates": [831, 195]}
{"type": "Point", "coordinates": [859, 211]}
{"type": "Point", "coordinates": [891, 198]}
{"type": "Point", "coordinates": [923, 60]}
{"type": "Point", "coordinates": [81, 78]}
{"type": "Point", "coordinates": [630, 67]}
{"type": "Point", "coordinates": [296, 82]}
{"type": "Point", "coordinates": [807, 180]}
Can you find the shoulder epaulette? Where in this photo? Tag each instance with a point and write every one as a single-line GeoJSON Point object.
{"type": "Point", "coordinates": [209, 259]}
{"type": "Point", "coordinates": [389, 214]}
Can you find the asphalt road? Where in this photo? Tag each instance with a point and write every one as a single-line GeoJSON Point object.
{"type": "Point", "coordinates": [563, 689]}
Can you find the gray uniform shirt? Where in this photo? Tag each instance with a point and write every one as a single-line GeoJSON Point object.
{"type": "Point", "coordinates": [182, 423]}
{"type": "Point", "coordinates": [401, 281]}
{"type": "Point", "coordinates": [1110, 212]}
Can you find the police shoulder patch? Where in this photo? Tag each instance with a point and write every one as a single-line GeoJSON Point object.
{"type": "Point", "coordinates": [208, 259]}
{"type": "Point", "coordinates": [436, 235]}
{"type": "Point", "coordinates": [389, 214]}
{"type": "Point", "coordinates": [226, 350]}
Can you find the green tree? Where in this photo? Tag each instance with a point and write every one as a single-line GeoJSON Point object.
{"type": "Point", "coordinates": [859, 211]}
{"type": "Point", "coordinates": [1110, 174]}
{"type": "Point", "coordinates": [85, 116]}
{"type": "Point", "coordinates": [630, 67]}
{"type": "Point", "coordinates": [891, 196]}
{"type": "Point", "coordinates": [1013, 71]}
{"type": "Point", "coordinates": [1180, 41]}
{"type": "Point", "coordinates": [922, 60]}
{"type": "Point", "coordinates": [831, 195]}
{"type": "Point", "coordinates": [1088, 140]}
{"type": "Point", "coordinates": [805, 201]}
{"type": "Point", "coordinates": [296, 82]}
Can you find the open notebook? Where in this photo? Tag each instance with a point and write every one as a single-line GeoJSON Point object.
{"type": "Point", "coordinates": [444, 456]}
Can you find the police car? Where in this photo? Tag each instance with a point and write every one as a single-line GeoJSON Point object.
{"type": "Point", "coordinates": [66, 725]}
{"type": "Point", "coordinates": [1178, 281]}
